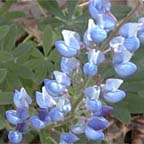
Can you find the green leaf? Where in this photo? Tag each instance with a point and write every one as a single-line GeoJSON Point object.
{"type": "Point", "coordinates": [5, 57]}
{"type": "Point", "coordinates": [6, 98]}
{"type": "Point", "coordinates": [23, 51]}
{"type": "Point", "coordinates": [122, 114]}
{"type": "Point", "coordinates": [47, 39]}
{"type": "Point", "coordinates": [52, 6]}
{"type": "Point", "coordinates": [14, 14]}
{"type": "Point", "coordinates": [3, 73]}
{"type": "Point", "coordinates": [3, 31]}
{"type": "Point", "coordinates": [9, 41]}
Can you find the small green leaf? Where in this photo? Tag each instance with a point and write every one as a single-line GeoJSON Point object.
{"type": "Point", "coordinates": [3, 73]}
{"type": "Point", "coordinates": [122, 114]}
{"type": "Point", "coordinates": [47, 39]}
{"type": "Point", "coordinates": [6, 98]}
{"type": "Point", "coordinates": [3, 31]}
{"type": "Point", "coordinates": [5, 57]}
{"type": "Point", "coordinates": [9, 41]}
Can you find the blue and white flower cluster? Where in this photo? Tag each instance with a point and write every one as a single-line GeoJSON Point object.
{"type": "Point", "coordinates": [19, 117]}
{"type": "Point", "coordinates": [55, 101]}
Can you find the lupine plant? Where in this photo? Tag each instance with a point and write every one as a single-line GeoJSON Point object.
{"type": "Point", "coordinates": [81, 111]}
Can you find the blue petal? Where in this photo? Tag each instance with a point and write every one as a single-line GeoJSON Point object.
{"type": "Point", "coordinates": [43, 114]}
{"type": "Point", "coordinates": [114, 97]}
{"type": "Point", "coordinates": [68, 65]}
{"type": "Point", "coordinates": [98, 123]}
{"type": "Point", "coordinates": [56, 115]}
{"type": "Point", "coordinates": [105, 110]}
{"type": "Point", "coordinates": [132, 44]}
{"type": "Point", "coordinates": [94, 105]}
{"type": "Point", "coordinates": [21, 98]}
{"type": "Point", "coordinates": [117, 58]}
{"type": "Point", "coordinates": [109, 22]}
{"type": "Point", "coordinates": [92, 10]}
{"type": "Point", "coordinates": [65, 50]}
{"type": "Point", "coordinates": [98, 34]}
{"type": "Point", "coordinates": [12, 117]}
{"type": "Point", "coordinates": [62, 78]}
{"type": "Point", "coordinates": [92, 92]}
{"type": "Point", "coordinates": [68, 137]}
{"type": "Point", "coordinates": [90, 69]}
{"type": "Point", "coordinates": [71, 39]}
{"type": "Point", "coordinates": [36, 123]}
{"type": "Point", "coordinates": [128, 30]}
{"type": "Point", "coordinates": [44, 100]}
{"type": "Point", "coordinates": [112, 84]}
{"type": "Point", "coordinates": [96, 57]}
{"type": "Point", "coordinates": [15, 137]}
{"type": "Point", "coordinates": [22, 127]}
{"type": "Point", "coordinates": [125, 69]}
{"type": "Point", "coordinates": [22, 113]}
{"type": "Point", "coordinates": [94, 135]}
{"type": "Point", "coordinates": [53, 87]}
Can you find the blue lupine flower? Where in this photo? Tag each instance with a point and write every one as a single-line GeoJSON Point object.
{"type": "Point", "coordinates": [105, 109]}
{"type": "Point", "coordinates": [92, 92]}
{"type": "Point", "coordinates": [12, 117]}
{"type": "Point", "coordinates": [94, 135]}
{"type": "Point", "coordinates": [114, 97]}
{"type": "Point", "coordinates": [79, 128]}
{"type": "Point", "coordinates": [98, 34]}
{"type": "Point", "coordinates": [109, 22]}
{"type": "Point", "coordinates": [117, 42]}
{"type": "Point", "coordinates": [132, 44]}
{"type": "Point", "coordinates": [97, 123]}
{"type": "Point", "coordinates": [68, 138]}
{"type": "Point", "coordinates": [15, 136]}
{"type": "Point", "coordinates": [87, 35]}
{"type": "Point", "coordinates": [64, 104]}
{"type": "Point", "coordinates": [56, 115]}
{"type": "Point", "coordinates": [68, 65]}
{"type": "Point", "coordinates": [111, 93]}
{"type": "Point", "coordinates": [128, 30]}
{"type": "Point", "coordinates": [71, 44]}
{"type": "Point", "coordinates": [36, 123]}
{"type": "Point", "coordinates": [99, 6]}
{"type": "Point", "coordinates": [54, 88]}
{"type": "Point", "coordinates": [125, 69]}
{"type": "Point", "coordinates": [21, 98]}
{"type": "Point", "coordinates": [112, 85]}
{"type": "Point", "coordinates": [19, 116]}
{"type": "Point", "coordinates": [44, 99]}
{"type": "Point", "coordinates": [90, 69]}
{"type": "Point", "coordinates": [22, 127]}
{"type": "Point", "coordinates": [93, 105]}
{"type": "Point", "coordinates": [96, 57]}
{"type": "Point", "coordinates": [62, 78]}
{"type": "Point", "coordinates": [94, 128]}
